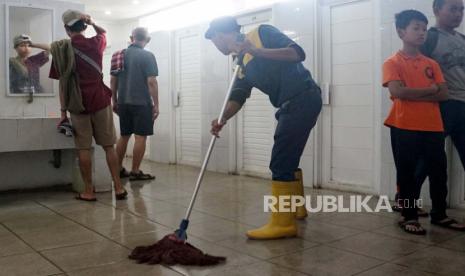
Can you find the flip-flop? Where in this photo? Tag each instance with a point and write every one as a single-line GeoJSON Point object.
{"type": "Point", "coordinates": [404, 225]}
{"type": "Point", "coordinates": [122, 196]}
{"type": "Point", "coordinates": [141, 176]}
{"type": "Point", "coordinates": [124, 173]}
{"type": "Point", "coordinates": [79, 197]}
{"type": "Point", "coordinates": [448, 223]}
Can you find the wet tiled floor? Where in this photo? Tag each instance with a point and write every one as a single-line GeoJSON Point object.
{"type": "Point", "coordinates": [50, 233]}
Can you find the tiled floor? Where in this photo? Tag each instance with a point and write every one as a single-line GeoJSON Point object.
{"type": "Point", "coordinates": [50, 233]}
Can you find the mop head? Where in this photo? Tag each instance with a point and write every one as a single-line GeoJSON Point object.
{"type": "Point", "coordinates": [171, 251]}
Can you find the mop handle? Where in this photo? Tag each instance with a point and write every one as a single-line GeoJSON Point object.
{"type": "Point", "coordinates": [212, 144]}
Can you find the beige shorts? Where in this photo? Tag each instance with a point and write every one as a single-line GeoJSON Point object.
{"type": "Point", "coordinates": [98, 125]}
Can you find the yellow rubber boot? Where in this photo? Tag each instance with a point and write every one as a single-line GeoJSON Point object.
{"type": "Point", "coordinates": [280, 224]}
{"type": "Point", "coordinates": [301, 210]}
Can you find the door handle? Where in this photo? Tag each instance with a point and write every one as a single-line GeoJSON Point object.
{"type": "Point", "coordinates": [176, 98]}
{"type": "Point", "coordinates": [325, 93]}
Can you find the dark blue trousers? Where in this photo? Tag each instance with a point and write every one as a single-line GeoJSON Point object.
{"type": "Point", "coordinates": [296, 118]}
{"type": "Point", "coordinates": [410, 149]}
{"type": "Point", "coordinates": [453, 116]}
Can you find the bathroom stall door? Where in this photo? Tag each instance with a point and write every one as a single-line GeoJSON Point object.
{"type": "Point", "coordinates": [187, 83]}
{"type": "Point", "coordinates": [347, 73]}
{"type": "Point", "coordinates": [256, 121]}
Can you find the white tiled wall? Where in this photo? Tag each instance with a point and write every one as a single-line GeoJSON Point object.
{"type": "Point", "coordinates": [291, 17]}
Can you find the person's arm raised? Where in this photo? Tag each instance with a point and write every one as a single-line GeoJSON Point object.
{"type": "Point", "coordinates": [89, 21]}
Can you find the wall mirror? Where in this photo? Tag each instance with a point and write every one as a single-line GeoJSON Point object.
{"type": "Point", "coordinates": [29, 31]}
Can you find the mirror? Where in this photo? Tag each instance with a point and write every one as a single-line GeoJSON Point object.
{"type": "Point", "coordinates": [29, 34]}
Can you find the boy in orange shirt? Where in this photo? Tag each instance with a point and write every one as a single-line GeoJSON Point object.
{"type": "Point", "coordinates": [416, 85]}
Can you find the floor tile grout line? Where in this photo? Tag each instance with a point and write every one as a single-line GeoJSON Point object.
{"type": "Point", "coordinates": [426, 246]}
{"type": "Point", "coordinates": [293, 252]}
{"type": "Point", "coordinates": [337, 239]}
{"type": "Point", "coordinates": [182, 205]}
{"type": "Point", "coordinates": [201, 238]}
{"type": "Point", "coordinates": [409, 267]}
{"type": "Point", "coordinates": [289, 267]}
{"type": "Point", "coordinates": [364, 232]}
{"type": "Point", "coordinates": [33, 249]}
{"type": "Point", "coordinates": [231, 220]}
{"type": "Point", "coordinates": [428, 243]}
{"type": "Point", "coordinates": [348, 251]}
{"type": "Point", "coordinates": [450, 238]}
{"type": "Point", "coordinates": [85, 226]}
{"type": "Point", "coordinates": [451, 249]}
{"type": "Point", "coordinates": [376, 258]}
{"type": "Point", "coordinates": [371, 268]}
{"type": "Point", "coordinates": [281, 266]}
{"type": "Point", "coordinates": [88, 228]}
{"type": "Point", "coordinates": [151, 220]}
{"type": "Point", "coordinates": [412, 253]}
{"type": "Point", "coordinates": [353, 228]}
{"type": "Point", "coordinates": [399, 239]}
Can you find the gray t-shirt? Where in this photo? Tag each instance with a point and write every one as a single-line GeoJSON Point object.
{"type": "Point", "coordinates": [139, 64]}
{"type": "Point", "coordinates": [449, 51]}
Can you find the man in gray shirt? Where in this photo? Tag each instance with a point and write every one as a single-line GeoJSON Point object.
{"type": "Point", "coordinates": [447, 46]}
{"type": "Point", "coordinates": [135, 100]}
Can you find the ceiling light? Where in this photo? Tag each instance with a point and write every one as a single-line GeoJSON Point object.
{"type": "Point", "coordinates": [107, 12]}
{"type": "Point", "coordinates": [136, 2]}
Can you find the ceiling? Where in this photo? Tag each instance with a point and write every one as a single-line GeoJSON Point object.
{"type": "Point", "coordinates": [124, 9]}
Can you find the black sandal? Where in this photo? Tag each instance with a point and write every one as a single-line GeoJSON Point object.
{"type": "Point", "coordinates": [122, 196]}
{"type": "Point", "coordinates": [140, 176]}
{"type": "Point", "coordinates": [449, 223]}
{"type": "Point", "coordinates": [123, 173]}
{"type": "Point", "coordinates": [79, 197]}
{"type": "Point", "coordinates": [405, 226]}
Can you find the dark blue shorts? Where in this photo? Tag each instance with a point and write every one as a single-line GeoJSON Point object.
{"type": "Point", "coordinates": [135, 119]}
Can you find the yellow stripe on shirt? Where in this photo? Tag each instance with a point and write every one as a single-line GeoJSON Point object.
{"type": "Point", "coordinates": [254, 37]}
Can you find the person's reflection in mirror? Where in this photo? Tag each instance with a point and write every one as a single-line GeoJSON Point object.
{"type": "Point", "coordinates": [24, 68]}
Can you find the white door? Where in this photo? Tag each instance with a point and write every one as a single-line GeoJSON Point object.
{"type": "Point", "coordinates": [188, 113]}
{"type": "Point", "coordinates": [256, 122]}
{"type": "Point", "coordinates": [348, 120]}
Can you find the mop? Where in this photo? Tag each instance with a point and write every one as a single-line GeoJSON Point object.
{"type": "Point", "coordinates": [173, 249]}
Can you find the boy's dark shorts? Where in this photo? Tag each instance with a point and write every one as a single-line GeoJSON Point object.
{"type": "Point", "coordinates": [135, 119]}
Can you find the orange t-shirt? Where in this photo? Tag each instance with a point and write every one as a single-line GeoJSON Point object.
{"type": "Point", "coordinates": [413, 72]}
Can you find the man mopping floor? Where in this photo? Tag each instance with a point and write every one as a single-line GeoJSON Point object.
{"type": "Point", "coordinates": [272, 62]}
